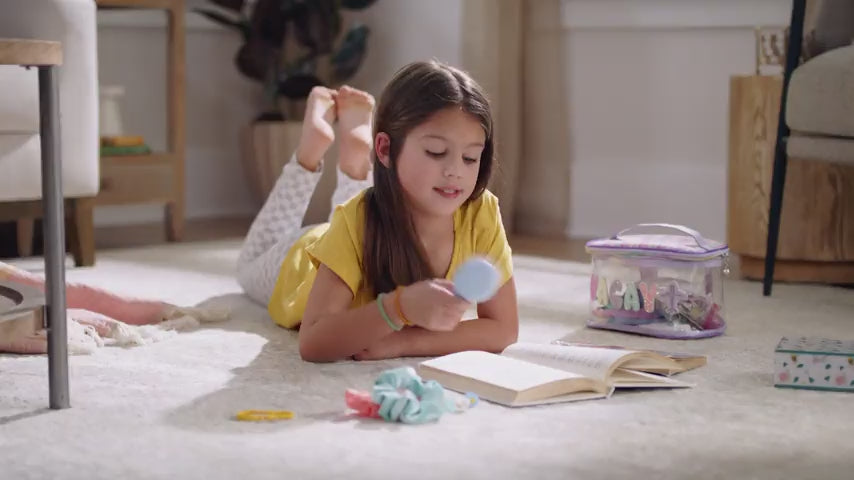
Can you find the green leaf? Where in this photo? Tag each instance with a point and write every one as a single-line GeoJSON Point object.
{"type": "Point", "coordinates": [796, 379]}
{"type": "Point", "coordinates": [785, 364]}
{"type": "Point", "coordinates": [800, 365]}
{"type": "Point", "coordinates": [233, 5]}
{"type": "Point", "coordinates": [827, 378]}
{"type": "Point", "coordinates": [357, 4]}
{"type": "Point", "coordinates": [827, 367]}
{"type": "Point", "coordinates": [220, 18]}
{"type": "Point", "coordinates": [812, 380]}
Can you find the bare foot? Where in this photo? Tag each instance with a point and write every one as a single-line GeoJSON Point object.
{"type": "Point", "coordinates": [317, 133]}
{"type": "Point", "coordinates": [355, 111]}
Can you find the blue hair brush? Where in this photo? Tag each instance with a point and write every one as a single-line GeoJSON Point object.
{"type": "Point", "coordinates": [476, 280]}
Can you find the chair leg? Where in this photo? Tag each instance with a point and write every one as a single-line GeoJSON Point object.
{"type": "Point", "coordinates": [54, 238]}
{"type": "Point", "coordinates": [778, 178]}
{"type": "Point", "coordinates": [81, 231]}
{"type": "Point", "coordinates": [25, 228]}
{"type": "Point", "coordinates": [174, 220]}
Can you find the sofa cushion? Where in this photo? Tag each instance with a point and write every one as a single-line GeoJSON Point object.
{"type": "Point", "coordinates": [72, 22]}
{"type": "Point", "coordinates": [821, 94]}
{"type": "Point", "coordinates": [821, 149]}
{"type": "Point", "coordinates": [19, 99]}
{"type": "Point", "coordinates": [22, 177]}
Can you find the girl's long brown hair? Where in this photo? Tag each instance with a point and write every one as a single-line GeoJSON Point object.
{"type": "Point", "coordinates": [392, 253]}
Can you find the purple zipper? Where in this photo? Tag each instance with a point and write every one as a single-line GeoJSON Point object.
{"type": "Point", "coordinates": [648, 261]}
{"type": "Point", "coordinates": [709, 253]}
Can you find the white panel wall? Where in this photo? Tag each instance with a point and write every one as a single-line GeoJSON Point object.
{"type": "Point", "coordinates": [645, 105]}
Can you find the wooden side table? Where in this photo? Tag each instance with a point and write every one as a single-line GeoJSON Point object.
{"type": "Point", "coordinates": [46, 56]}
{"type": "Point", "coordinates": [814, 243]}
{"type": "Point", "coordinates": [156, 178]}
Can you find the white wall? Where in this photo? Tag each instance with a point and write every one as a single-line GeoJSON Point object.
{"type": "Point", "coordinates": [646, 104]}
{"type": "Point", "coordinates": [220, 101]}
{"type": "Point", "coordinates": [404, 31]}
{"type": "Point", "coordinates": [643, 99]}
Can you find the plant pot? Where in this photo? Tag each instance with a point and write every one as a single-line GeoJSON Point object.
{"type": "Point", "coordinates": [267, 146]}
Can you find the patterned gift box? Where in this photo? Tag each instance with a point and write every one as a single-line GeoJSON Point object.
{"type": "Point", "coordinates": [814, 363]}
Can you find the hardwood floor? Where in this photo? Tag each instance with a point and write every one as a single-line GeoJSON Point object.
{"type": "Point", "coordinates": [198, 230]}
{"type": "Point", "coordinates": [195, 230]}
{"type": "Point", "coordinates": [571, 249]}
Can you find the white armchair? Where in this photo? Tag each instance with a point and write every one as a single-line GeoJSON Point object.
{"type": "Point", "coordinates": [73, 23]}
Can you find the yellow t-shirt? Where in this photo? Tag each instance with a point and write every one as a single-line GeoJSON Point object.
{"type": "Point", "coordinates": [338, 245]}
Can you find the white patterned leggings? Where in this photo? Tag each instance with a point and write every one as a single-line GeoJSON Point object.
{"type": "Point", "coordinates": [279, 225]}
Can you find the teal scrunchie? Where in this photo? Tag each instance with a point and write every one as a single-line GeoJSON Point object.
{"type": "Point", "coordinates": [404, 397]}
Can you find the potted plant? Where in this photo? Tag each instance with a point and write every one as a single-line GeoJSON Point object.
{"type": "Point", "coordinates": [289, 47]}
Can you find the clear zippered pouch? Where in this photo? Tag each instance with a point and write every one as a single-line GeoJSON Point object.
{"type": "Point", "coordinates": [666, 282]}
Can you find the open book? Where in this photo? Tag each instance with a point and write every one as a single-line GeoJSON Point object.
{"type": "Point", "coordinates": [533, 374]}
{"type": "Point", "coordinates": [652, 361]}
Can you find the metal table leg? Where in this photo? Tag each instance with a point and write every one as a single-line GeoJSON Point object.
{"type": "Point", "coordinates": [54, 238]}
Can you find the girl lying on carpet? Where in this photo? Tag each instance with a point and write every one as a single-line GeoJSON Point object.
{"type": "Point", "coordinates": [410, 205]}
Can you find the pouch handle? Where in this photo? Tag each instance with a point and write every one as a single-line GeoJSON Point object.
{"type": "Point", "coordinates": [701, 242]}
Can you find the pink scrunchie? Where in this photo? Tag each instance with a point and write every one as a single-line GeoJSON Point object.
{"type": "Point", "coordinates": [361, 402]}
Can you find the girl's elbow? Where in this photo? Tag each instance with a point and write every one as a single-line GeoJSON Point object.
{"type": "Point", "coordinates": [509, 335]}
{"type": "Point", "coordinates": [310, 349]}
{"type": "Point", "coordinates": [508, 339]}
{"type": "Point", "coordinates": [309, 353]}
{"type": "Point", "coordinates": [501, 338]}
{"type": "Point", "coordinates": [314, 354]}
{"type": "Point", "coordinates": [317, 349]}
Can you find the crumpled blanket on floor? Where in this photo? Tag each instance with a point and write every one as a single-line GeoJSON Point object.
{"type": "Point", "coordinates": [88, 331]}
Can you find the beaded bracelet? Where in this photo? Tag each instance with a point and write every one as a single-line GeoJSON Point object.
{"type": "Point", "coordinates": [400, 308]}
{"type": "Point", "coordinates": [385, 316]}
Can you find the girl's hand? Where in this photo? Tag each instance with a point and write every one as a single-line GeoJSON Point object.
{"type": "Point", "coordinates": [432, 304]}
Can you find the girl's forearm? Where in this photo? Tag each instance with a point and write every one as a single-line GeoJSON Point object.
{"type": "Point", "coordinates": [336, 336]}
{"type": "Point", "coordinates": [478, 334]}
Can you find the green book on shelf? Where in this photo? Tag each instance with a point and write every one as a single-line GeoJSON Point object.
{"type": "Point", "coordinates": [108, 151]}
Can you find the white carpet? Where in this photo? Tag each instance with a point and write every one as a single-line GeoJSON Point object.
{"type": "Point", "coordinates": [164, 410]}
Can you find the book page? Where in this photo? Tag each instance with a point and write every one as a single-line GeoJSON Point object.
{"type": "Point", "coordinates": [586, 361]}
{"type": "Point", "coordinates": [658, 361]}
{"type": "Point", "coordinates": [634, 379]}
{"type": "Point", "coordinates": [570, 397]}
{"type": "Point", "coordinates": [500, 371]}
{"type": "Point", "coordinates": [651, 365]}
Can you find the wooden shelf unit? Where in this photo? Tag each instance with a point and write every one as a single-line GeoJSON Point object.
{"type": "Point", "coordinates": [157, 178]}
